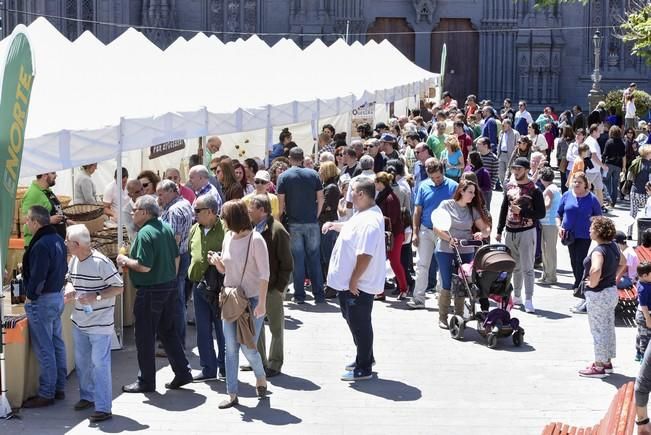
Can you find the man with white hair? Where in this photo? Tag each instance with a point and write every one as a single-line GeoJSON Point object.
{"type": "Point", "coordinates": [213, 145]}
{"type": "Point", "coordinates": [200, 180]}
{"type": "Point", "coordinates": [175, 175]}
{"type": "Point", "coordinates": [326, 156]}
{"type": "Point", "coordinates": [134, 191]}
{"type": "Point", "coordinates": [178, 214]}
{"type": "Point", "coordinates": [96, 283]}
{"type": "Point", "coordinates": [153, 264]}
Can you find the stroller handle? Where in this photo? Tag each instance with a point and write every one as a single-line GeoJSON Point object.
{"type": "Point", "coordinates": [468, 243]}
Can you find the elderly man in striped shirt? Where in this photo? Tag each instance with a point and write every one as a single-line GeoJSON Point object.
{"type": "Point", "coordinates": [96, 282]}
{"type": "Point", "coordinates": [177, 212]}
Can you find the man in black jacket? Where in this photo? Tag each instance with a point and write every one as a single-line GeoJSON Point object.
{"type": "Point", "coordinates": [44, 271]}
{"type": "Point", "coordinates": [522, 207]}
{"type": "Point", "coordinates": [280, 269]}
{"type": "Point", "coordinates": [579, 119]}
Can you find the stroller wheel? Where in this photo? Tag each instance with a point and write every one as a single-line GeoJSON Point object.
{"type": "Point", "coordinates": [456, 327]}
{"type": "Point", "coordinates": [492, 340]}
{"type": "Point", "coordinates": [518, 338]}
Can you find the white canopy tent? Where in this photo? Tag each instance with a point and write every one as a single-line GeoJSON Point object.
{"type": "Point", "coordinates": [90, 101]}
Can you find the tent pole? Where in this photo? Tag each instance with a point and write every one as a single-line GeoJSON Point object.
{"type": "Point", "coordinates": [5, 407]}
{"type": "Point", "coordinates": [120, 238]}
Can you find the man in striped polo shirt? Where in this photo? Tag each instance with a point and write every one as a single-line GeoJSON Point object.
{"type": "Point", "coordinates": [96, 282]}
{"type": "Point", "coordinates": [179, 215]}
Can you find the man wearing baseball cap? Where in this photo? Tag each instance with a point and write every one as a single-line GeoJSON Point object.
{"type": "Point", "coordinates": [522, 207]}
{"type": "Point", "coordinates": [388, 144]}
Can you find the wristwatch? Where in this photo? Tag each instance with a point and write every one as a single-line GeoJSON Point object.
{"type": "Point", "coordinates": [98, 297]}
{"type": "Point", "coordinates": [642, 422]}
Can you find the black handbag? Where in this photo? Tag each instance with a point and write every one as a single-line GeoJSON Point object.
{"type": "Point", "coordinates": [579, 292]}
{"type": "Point", "coordinates": [568, 238]}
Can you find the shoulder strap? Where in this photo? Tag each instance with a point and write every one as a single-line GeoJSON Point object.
{"type": "Point", "coordinates": [246, 260]}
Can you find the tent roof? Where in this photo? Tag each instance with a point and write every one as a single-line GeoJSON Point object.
{"type": "Point", "coordinates": [91, 100]}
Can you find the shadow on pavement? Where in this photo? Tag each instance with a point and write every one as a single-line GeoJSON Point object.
{"type": "Point", "coordinates": [119, 424]}
{"type": "Point", "coordinates": [391, 390]}
{"type": "Point", "coordinates": [181, 400]}
{"type": "Point", "coordinates": [617, 379]}
{"type": "Point", "coordinates": [290, 382]}
{"type": "Point", "coordinates": [552, 315]}
{"type": "Point", "coordinates": [402, 305]}
{"type": "Point", "coordinates": [314, 308]}
{"type": "Point", "coordinates": [264, 413]}
{"type": "Point", "coordinates": [292, 324]}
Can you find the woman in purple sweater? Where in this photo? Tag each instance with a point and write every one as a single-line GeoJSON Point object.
{"type": "Point", "coordinates": [476, 165]}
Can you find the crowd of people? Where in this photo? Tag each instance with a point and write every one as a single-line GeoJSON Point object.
{"type": "Point", "coordinates": [230, 240]}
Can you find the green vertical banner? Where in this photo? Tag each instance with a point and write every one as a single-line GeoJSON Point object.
{"type": "Point", "coordinates": [15, 92]}
{"type": "Point", "coordinates": [444, 57]}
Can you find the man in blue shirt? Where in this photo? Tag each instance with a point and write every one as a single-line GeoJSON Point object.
{"type": "Point", "coordinates": [300, 196]}
{"type": "Point", "coordinates": [430, 193]}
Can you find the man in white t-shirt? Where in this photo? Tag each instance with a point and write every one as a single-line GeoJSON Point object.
{"type": "Point", "coordinates": [626, 276]}
{"type": "Point", "coordinates": [357, 271]}
{"type": "Point", "coordinates": [110, 198]}
{"type": "Point", "coordinates": [594, 174]}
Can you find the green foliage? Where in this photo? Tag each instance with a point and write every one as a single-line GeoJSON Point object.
{"type": "Point", "coordinates": [642, 102]}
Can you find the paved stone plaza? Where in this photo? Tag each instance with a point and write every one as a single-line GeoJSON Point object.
{"type": "Point", "coordinates": [426, 382]}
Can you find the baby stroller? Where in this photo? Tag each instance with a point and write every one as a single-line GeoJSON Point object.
{"type": "Point", "coordinates": [488, 276]}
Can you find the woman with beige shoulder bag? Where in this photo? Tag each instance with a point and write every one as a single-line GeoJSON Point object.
{"type": "Point", "coordinates": [244, 261]}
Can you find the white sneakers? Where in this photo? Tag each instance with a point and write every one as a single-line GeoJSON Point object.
{"type": "Point", "coordinates": [528, 306]}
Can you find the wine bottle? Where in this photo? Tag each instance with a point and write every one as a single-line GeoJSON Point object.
{"type": "Point", "coordinates": [15, 289]}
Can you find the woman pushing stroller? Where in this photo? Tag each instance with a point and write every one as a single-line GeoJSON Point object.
{"type": "Point", "coordinates": [467, 213]}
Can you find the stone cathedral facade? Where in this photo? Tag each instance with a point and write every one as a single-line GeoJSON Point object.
{"type": "Point", "coordinates": [496, 48]}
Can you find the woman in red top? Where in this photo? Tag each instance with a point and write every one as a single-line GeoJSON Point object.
{"type": "Point", "coordinates": [390, 206]}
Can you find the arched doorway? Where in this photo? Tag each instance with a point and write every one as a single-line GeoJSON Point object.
{"type": "Point", "coordinates": [462, 62]}
{"type": "Point", "coordinates": [397, 31]}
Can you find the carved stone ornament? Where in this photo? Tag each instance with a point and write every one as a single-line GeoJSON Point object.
{"type": "Point", "coordinates": [424, 10]}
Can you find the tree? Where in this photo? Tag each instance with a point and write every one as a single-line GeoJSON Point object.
{"type": "Point", "coordinates": [634, 28]}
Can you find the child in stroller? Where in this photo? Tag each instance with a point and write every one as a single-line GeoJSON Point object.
{"type": "Point", "coordinates": [487, 276]}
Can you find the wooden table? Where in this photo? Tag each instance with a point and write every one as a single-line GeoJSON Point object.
{"type": "Point", "coordinates": [22, 366]}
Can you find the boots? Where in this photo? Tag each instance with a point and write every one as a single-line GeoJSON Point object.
{"type": "Point", "coordinates": [459, 305]}
{"type": "Point", "coordinates": [444, 306]}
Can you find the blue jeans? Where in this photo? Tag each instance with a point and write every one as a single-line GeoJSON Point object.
{"type": "Point", "coordinates": [44, 320]}
{"type": "Point", "coordinates": [181, 319]}
{"type": "Point", "coordinates": [433, 271]}
{"type": "Point", "coordinates": [612, 182]}
{"type": "Point", "coordinates": [357, 312]}
{"type": "Point", "coordinates": [446, 263]}
{"type": "Point", "coordinates": [208, 318]}
{"type": "Point", "coordinates": [93, 365]}
{"type": "Point", "coordinates": [305, 242]}
{"type": "Point", "coordinates": [233, 351]}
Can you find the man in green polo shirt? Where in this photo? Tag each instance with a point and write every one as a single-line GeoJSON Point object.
{"type": "Point", "coordinates": [153, 264]}
{"type": "Point", "coordinates": [205, 236]}
{"type": "Point", "coordinates": [39, 193]}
